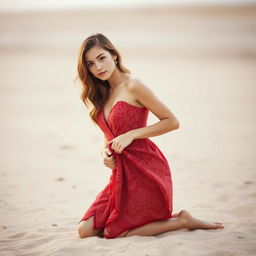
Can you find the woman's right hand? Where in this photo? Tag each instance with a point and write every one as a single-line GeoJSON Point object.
{"type": "Point", "coordinates": [108, 158]}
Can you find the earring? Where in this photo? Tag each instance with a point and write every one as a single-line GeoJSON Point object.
{"type": "Point", "coordinates": [116, 61]}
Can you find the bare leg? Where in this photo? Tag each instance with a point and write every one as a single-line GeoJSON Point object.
{"type": "Point", "coordinates": [183, 221]}
{"type": "Point", "coordinates": [86, 229]}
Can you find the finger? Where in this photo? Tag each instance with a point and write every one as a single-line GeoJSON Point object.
{"type": "Point", "coordinates": [110, 155]}
{"type": "Point", "coordinates": [113, 146]}
{"type": "Point", "coordinates": [120, 150]}
{"type": "Point", "coordinates": [109, 165]}
{"type": "Point", "coordinates": [112, 166]}
{"type": "Point", "coordinates": [109, 161]}
{"type": "Point", "coordinates": [113, 162]}
{"type": "Point", "coordinates": [106, 151]}
{"type": "Point", "coordinates": [107, 155]}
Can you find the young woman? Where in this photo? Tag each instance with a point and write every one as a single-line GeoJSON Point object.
{"type": "Point", "coordinates": [138, 199]}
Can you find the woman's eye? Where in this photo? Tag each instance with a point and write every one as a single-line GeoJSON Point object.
{"type": "Point", "coordinates": [101, 58]}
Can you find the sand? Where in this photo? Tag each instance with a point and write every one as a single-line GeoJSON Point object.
{"type": "Point", "coordinates": [200, 62]}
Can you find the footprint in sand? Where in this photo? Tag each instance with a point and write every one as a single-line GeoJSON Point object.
{"type": "Point", "coordinates": [248, 182]}
{"type": "Point", "coordinates": [18, 235]}
{"type": "Point", "coordinates": [60, 179]}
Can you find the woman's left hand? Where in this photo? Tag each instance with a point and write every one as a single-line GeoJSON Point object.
{"type": "Point", "coordinates": [120, 142]}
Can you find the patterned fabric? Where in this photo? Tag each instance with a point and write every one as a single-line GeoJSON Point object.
{"type": "Point", "coordinates": [140, 188]}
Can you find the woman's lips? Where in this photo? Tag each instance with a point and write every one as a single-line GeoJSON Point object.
{"type": "Point", "coordinates": [102, 73]}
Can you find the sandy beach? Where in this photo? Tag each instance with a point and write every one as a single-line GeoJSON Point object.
{"type": "Point", "coordinates": [201, 62]}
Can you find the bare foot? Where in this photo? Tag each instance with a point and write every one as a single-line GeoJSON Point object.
{"type": "Point", "coordinates": [193, 223]}
{"type": "Point", "coordinates": [175, 215]}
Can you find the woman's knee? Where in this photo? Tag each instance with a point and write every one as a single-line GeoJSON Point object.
{"type": "Point", "coordinates": [85, 228]}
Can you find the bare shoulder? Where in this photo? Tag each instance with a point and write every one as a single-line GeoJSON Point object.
{"type": "Point", "coordinates": [140, 90]}
{"type": "Point", "coordinates": [145, 96]}
{"type": "Point", "coordinates": [136, 89]}
{"type": "Point", "coordinates": [135, 84]}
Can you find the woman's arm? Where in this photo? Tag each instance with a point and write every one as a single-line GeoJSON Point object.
{"type": "Point", "coordinates": [146, 97]}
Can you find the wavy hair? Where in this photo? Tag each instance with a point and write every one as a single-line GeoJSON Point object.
{"type": "Point", "coordinates": [95, 92]}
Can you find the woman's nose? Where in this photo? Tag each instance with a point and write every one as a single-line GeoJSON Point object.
{"type": "Point", "coordinates": [98, 66]}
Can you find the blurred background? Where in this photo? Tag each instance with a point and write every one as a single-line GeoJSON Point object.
{"type": "Point", "coordinates": [199, 57]}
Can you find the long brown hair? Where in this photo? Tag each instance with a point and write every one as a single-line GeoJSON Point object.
{"type": "Point", "coordinates": [94, 90]}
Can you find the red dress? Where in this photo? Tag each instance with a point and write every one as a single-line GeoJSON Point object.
{"type": "Point", "coordinates": [140, 188]}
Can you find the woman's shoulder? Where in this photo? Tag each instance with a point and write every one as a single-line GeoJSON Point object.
{"type": "Point", "coordinates": [133, 83]}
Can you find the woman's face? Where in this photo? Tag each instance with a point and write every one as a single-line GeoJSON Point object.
{"type": "Point", "coordinates": [100, 62]}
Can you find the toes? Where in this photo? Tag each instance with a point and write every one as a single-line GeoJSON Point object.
{"type": "Point", "coordinates": [219, 224]}
{"type": "Point", "coordinates": [175, 215]}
